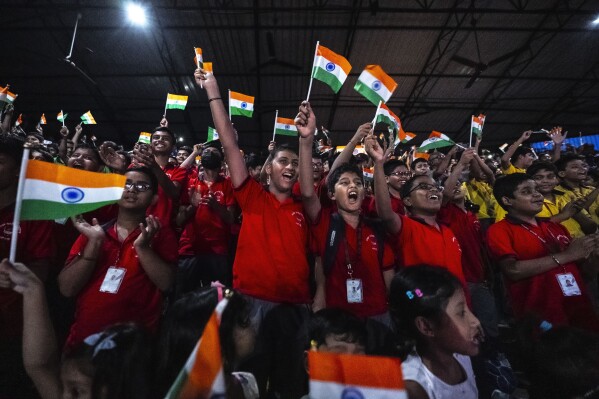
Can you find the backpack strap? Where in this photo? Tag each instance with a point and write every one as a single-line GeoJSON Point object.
{"type": "Point", "coordinates": [334, 237]}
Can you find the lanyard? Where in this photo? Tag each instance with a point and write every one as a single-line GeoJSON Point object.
{"type": "Point", "coordinates": [551, 249]}
{"type": "Point", "coordinates": [350, 270]}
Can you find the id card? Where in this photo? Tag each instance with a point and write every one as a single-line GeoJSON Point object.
{"type": "Point", "coordinates": [113, 279]}
{"type": "Point", "coordinates": [354, 291]}
{"type": "Point", "coordinates": [568, 284]}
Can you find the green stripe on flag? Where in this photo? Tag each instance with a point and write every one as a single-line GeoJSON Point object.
{"type": "Point", "coordinates": [175, 106]}
{"type": "Point", "coordinates": [328, 78]}
{"type": "Point", "coordinates": [241, 112]}
{"type": "Point", "coordinates": [286, 132]}
{"type": "Point", "coordinates": [386, 120]}
{"type": "Point", "coordinates": [367, 92]}
{"type": "Point", "coordinates": [50, 210]}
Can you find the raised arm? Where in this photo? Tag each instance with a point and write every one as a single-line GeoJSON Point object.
{"type": "Point", "coordinates": [444, 164]}
{"type": "Point", "coordinates": [223, 125]}
{"type": "Point", "coordinates": [263, 174]}
{"type": "Point", "coordinates": [40, 350]}
{"type": "Point", "coordinates": [558, 138]}
{"type": "Point", "coordinates": [348, 151]}
{"type": "Point", "coordinates": [8, 112]}
{"type": "Point", "coordinates": [160, 272]}
{"type": "Point", "coordinates": [455, 174]}
{"type": "Point", "coordinates": [383, 200]}
{"type": "Point", "coordinates": [197, 150]}
{"type": "Point", "coordinates": [306, 127]}
{"type": "Point", "coordinates": [506, 157]}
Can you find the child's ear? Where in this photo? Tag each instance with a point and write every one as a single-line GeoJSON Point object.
{"type": "Point", "coordinates": [561, 173]}
{"type": "Point", "coordinates": [407, 201]}
{"type": "Point", "coordinates": [387, 179]}
{"type": "Point", "coordinates": [268, 168]}
{"type": "Point", "coordinates": [425, 326]}
{"type": "Point", "coordinates": [507, 201]}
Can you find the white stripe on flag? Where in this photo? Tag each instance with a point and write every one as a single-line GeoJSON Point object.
{"type": "Point", "coordinates": [337, 71]}
{"type": "Point", "coordinates": [329, 389]}
{"type": "Point", "coordinates": [240, 104]}
{"type": "Point", "coordinates": [375, 85]}
{"type": "Point", "coordinates": [47, 191]}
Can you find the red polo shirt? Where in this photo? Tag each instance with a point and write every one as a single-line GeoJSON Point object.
{"type": "Point", "coordinates": [35, 243]}
{"type": "Point", "coordinates": [165, 207]}
{"type": "Point", "coordinates": [541, 294]}
{"type": "Point", "coordinates": [211, 233]}
{"type": "Point", "coordinates": [396, 205]}
{"type": "Point", "coordinates": [420, 243]}
{"type": "Point", "coordinates": [366, 268]}
{"type": "Point", "coordinates": [271, 262]}
{"type": "Point", "coordinates": [466, 227]}
{"type": "Point", "coordinates": [137, 298]}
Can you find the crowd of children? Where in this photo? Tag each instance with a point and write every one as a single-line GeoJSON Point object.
{"type": "Point", "coordinates": [423, 261]}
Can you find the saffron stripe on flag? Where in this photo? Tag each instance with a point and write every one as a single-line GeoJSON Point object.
{"type": "Point", "coordinates": [73, 177]}
{"type": "Point", "coordinates": [242, 97]}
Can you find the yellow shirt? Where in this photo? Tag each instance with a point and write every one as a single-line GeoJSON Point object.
{"type": "Point", "coordinates": [481, 193]}
{"type": "Point", "coordinates": [571, 194]}
{"type": "Point", "coordinates": [512, 169]}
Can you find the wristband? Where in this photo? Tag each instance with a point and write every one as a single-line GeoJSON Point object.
{"type": "Point", "coordinates": [214, 99]}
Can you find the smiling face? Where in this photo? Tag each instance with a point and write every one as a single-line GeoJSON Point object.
{"type": "Point", "coordinates": [182, 155]}
{"type": "Point", "coordinates": [317, 169]}
{"type": "Point", "coordinates": [425, 196]}
{"type": "Point", "coordinates": [546, 181]}
{"type": "Point", "coordinates": [575, 170]}
{"type": "Point", "coordinates": [162, 142]}
{"type": "Point", "coordinates": [85, 159]}
{"type": "Point", "coordinates": [459, 331]}
{"type": "Point", "coordinates": [283, 171]}
{"type": "Point", "coordinates": [398, 177]}
{"type": "Point", "coordinates": [527, 200]}
{"type": "Point", "coordinates": [349, 192]}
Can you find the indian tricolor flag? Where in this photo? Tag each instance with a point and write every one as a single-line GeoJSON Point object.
{"type": "Point", "coordinates": [53, 191]}
{"type": "Point", "coordinates": [61, 116]}
{"type": "Point", "coordinates": [145, 138]}
{"type": "Point", "coordinates": [212, 134]}
{"type": "Point", "coordinates": [175, 101]}
{"type": "Point", "coordinates": [285, 127]}
{"type": "Point", "coordinates": [330, 68]}
{"type": "Point", "coordinates": [368, 172]}
{"type": "Point", "coordinates": [202, 376]}
{"type": "Point", "coordinates": [6, 96]}
{"type": "Point", "coordinates": [19, 120]}
{"type": "Point", "coordinates": [88, 118]}
{"type": "Point", "coordinates": [403, 137]}
{"type": "Point", "coordinates": [386, 116]}
{"type": "Point", "coordinates": [208, 67]}
{"type": "Point", "coordinates": [43, 119]}
{"type": "Point", "coordinates": [240, 104]}
{"type": "Point", "coordinates": [435, 140]}
{"type": "Point", "coordinates": [198, 59]}
{"type": "Point", "coordinates": [355, 376]}
{"type": "Point", "coordinates": [476, 127]}
{"type": "Point", "coordinates": [374, 84]}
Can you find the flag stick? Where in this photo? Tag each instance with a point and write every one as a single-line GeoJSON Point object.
{"type": "Point", "coordinates": [62, 113]}
{"type": "Point", "coordinates": [471, 130]}
{"type": "Point", "coordinates": [311, 71]}
{"type": "Point", "coordinates": [461, 146]}
{"type": "Point", "coordinates": [17, 216]}
{"type": "Point", "coordinates": [274, 129]}
{"type": "Point", "coordinates": [375, 114]}
{"type": "Point", "coordinates": [198, 62]}
{"type": "Point", "coordinates": [165, 105]}
{"type": "Point", "coordinates": [229, 104]}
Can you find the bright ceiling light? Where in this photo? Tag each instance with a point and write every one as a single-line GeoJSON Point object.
{"type": "Point", "coordinates": [596, 22]}
{"type": "Point", "coordinates": [136, 14]}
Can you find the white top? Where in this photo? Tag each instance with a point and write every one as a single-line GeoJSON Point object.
{"type": "Point", "coordinates": [414, 370]}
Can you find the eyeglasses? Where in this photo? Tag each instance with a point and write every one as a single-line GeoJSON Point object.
{"type": "Point", "coordinates": [316, 165]}
{"type": "Point", "coordinates": [427, 187]}
{"type": "Point", "coordinates": [139, 187]}
{"type": "Point", "coordinates": [401, 174]}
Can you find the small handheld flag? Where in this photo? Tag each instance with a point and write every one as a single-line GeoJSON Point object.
{"type": "Point", "coordinates": [145, 138]}
{"type": "Point", "coordinates": [436, 140]}
{"type": "Point", "coordinates": [43, 119]}
{"type": "Point", "coordinates": [198, 59]}
{"type": "Point", "coordinates": [330, 68]}
{"type": "Point", "coordinates": [404, 137]}
{"type": "Point", "coordinates": [19, 120]}
{"type": "Point", "coordinates": [61, 117]}
{"type": "Point", "coordinates": [476, 126]}
{"type": "Point", "coordinates": [175, 101]}
{"type": "Point", "coordinates": [285, 127]}
{"type": "Point", "coordinates": [386, 116]}
{"type": "Point", "coordinates": [208, 67]}
{"type": "Point", "coordinates": [240, 104]}
{"type": "Point", "coordinates": [374, 84]}
{"type": "Point", "coordinates": [6, 96]}
{"type": "Point", "coordinates": [212, 134]}
{"type": "Point", "coordinates": [88, 119]}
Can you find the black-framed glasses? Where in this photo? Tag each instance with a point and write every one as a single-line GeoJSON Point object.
{"type": "Point", "coordinates": [401, 174]}
{"type": "Point", "coordinates": [427, 187]}
{"type": "Point", "coordinates": [139, 186]}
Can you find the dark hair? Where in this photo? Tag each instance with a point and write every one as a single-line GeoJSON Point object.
{"type": "Point", "coordinates": [539, 166]}
{"type": "Point", "coordinates": [126, 155]}
{"type": "Point", "coordinates": [94, 150]}
{"type": "Point", "coordinates": [236, 314]}
{"type": "Point", "coordinates": [12, 146]}
{"type": "Point", "coordinates": [522, 150]}
{"type": "Point", "coordinates": [337, 322]}
{"type": "Point", "coordinates": [404, 191]}
{"type": "Point", "coordinates": [122, 371]}
{"type": "Point", "coordinates": [391, 165]}
{"type": "Point", "coordinates": [334, 176]}
{"type": "Point", "coordinates": [253, 161]}
{"type": "Point", "coordinates": [45, 154]}
{"type": "Point", "coordinates": [283, 147]}
{"type": "Point", "coordinates": [148, 172]}
{"type": "Point", "coordinates": [419, 291]}
{"type": "Point", "coordinates": [166, 130]}
{"type": "Point", "coordinates": [565, 159]}
{"type": "Point", "coordinates": [417, 161]}
{"type": "Point", "coordinates": [36, 135]}
{"type": "Point", "coordinates": [562, 363]}
{"type": "Point", "coordinates": [185, 148]}
{"type": "Point", "coordinates": [216, 145]}
{"type": "Point", "coordinates": [181, 329]}
{"type": "Point", "coordinates": [505, 186]}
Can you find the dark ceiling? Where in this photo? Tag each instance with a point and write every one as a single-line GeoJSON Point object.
{"type": "Point", "coordinates": [536, 62]}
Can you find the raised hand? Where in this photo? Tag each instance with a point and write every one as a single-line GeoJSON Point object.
{"type": "Point", "coordinates": [271, 146]}
{"type": "Point", "coordinates": [143, 155]}
{"type": "Point", "coordinates": [526, 135]}
{"type": "Point", "coordinates": [374, 149]}
{"type": "Point", "coordinates": [467, 156]}
{"type": "Point", "coordinates": [305, 121]}
{"type": "Point", "coordinates": [111, 158]}
{"type": "Point", "coordinates": [164, 121]}
{"type": "Point", "coordinates": [64, 132]}
{"type": "Point", "coordinates": [92, 231]}
{"type": "Point", "coordinates": [363, 131]}
{"type": "Point", "coordinates": [18, 277]}
{"type": "Point", "coordinates": [147, 232]}
{"type": "Point", "coordinates": [556, 135]}
{"type": "Point", "coordinates": [78, 129]}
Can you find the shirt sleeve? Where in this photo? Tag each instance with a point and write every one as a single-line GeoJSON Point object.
{"type": "Point", "coordinates": [319, 232]}
{"type": "Point", "coordinates": [166, 246]}
{"type": "Point", "coordinates": [39, 243]}
{"type": "Point", "coordinates": [500, 242]}
{"type": "Point", "coordinates": [77, 248]}
{"type": "Point", "coordinates": [247, 193]}
{"type": "Point", "coordinates": [229, 194]}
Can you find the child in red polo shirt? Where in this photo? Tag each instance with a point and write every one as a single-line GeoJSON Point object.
{"type": "Point", "coordinates": [539, 259]}
{"type": "Point", "coordinates": [119, 271]}
{"type": "Point", "coordinates": [271, 265]}
{"type": "Point", "coordinates": [418, 238]}
{"type": "Point", "coordinates": [357, 280]}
